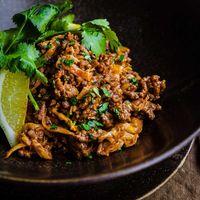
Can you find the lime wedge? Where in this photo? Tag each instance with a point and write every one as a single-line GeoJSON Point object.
{"type": "Point", "coordinates": [14, 89]}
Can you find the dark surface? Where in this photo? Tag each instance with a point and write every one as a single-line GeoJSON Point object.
{"type": "Point", "coordinates": [184, 185]}
{"type": "Point", "coordinates": [163, 38]}
{"type": "Point", "coordinates": [124, 188]}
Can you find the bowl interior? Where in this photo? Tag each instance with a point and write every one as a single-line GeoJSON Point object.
{"type": "Point", "coordinates": [163, 40]}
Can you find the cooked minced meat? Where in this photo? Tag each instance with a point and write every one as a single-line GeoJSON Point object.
{"type": "Point", "coordinates": [90, 105]}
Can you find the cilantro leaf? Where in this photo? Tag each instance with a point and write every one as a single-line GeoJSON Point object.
{"type": "Point", "coordinates": [116, 111]}
{"type": "Point", "coordinates": [112, 38]}
{"type": "Point", "coordinates": [48, 34]}
{"type": "Point", "coordinates": [96, 91]}
{"type": "Point", "coordinates": [103, 108]}
{"type": "Point", "coordinates": [85, 127]}
{"type": "Point", "coordinates": [65, 23]}
{"type": "Point", "coordinates": [39, 16]}
{"type": "Point", "coordinates": [10, 38]}
{"type": "Point", "coordinates": [121, 58]}
{"type": "Point", "coordinates": [65, 6]}
{"type": "Point", "coordinates": [3, 60]}
{"type": "Point", "coordinates": [134, 81]}
{"type": "Point", "coordinates": [68, 62]}
{"type": "Point", "coordinates": [99, 27]}
{"type": "Point", "coordinates": [23, 59]}
{"type": "Point", "coordinates": [90, 124]}
{"type": "Point", "coordinates": [73, 101]}
{"type": "Point", "coordinates": [94, 41]}
{"type": "Point", "coordinates": [28, 50]}
{"type": "Point", "coordinates": [106, 92]}
{"type": "Point", "coordinates": [53, 126]}
{"type": "Point", "coordinates": [103, 23]}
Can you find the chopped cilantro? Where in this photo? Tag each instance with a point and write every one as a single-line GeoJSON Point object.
{"type": "Point", "coordinates": [73, 101]}
{"type": "Point", "coordinates": [53, 126]}
{"type": "Point", "coordinates": [106, 92]}
{"type": "Point", "coordinates": [71, 42]}
{"type": "Point", "coordinates": [121, 58]}
{"type": "Point", "coordinates": [85, 127]}
{"type": "Point", "coordinates": [103, 108]}
{"type": "Point", "coordinates": [58, 41]}
{"type": "Point", "coordinates": [134, 81]}
{"type": "Point", "coordinates": [90, 157]}
{"type": "Point", "coordinates": [116, 111]}
{"type": "Point", "coordinates": [48, 46]}
{"type": "Point", "coordinates": [59, 66]}
{"type": "Point", "coordinates": [87, 56]}
{"type": "Point", "coordinates": [96, 91]}
{"type": "Point", "coordinates": [67, 62]}
{"type": "Point", "coordinates": [90, 124]}
{"type": "Point", "coordinates": [94, 124]}
{"type": "Point", "coordinates": [91, 136]}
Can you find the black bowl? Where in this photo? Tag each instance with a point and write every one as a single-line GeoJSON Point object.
{"type": "Point", "coordinates": [163, 38]}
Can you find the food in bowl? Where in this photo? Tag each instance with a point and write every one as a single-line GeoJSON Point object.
{"type": "Point", "coordinates": [85, 97]}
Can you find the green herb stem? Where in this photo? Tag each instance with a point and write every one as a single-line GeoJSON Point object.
{"type": "Point", "coordinates": [20, 30]}
{"type": "Point", "coordinates": [33, 101]}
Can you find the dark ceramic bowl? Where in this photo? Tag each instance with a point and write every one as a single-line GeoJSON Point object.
{"type": "Point", "coordinates": [163, 38]}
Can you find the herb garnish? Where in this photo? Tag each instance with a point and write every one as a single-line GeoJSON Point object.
{"type": "Point", "coordinates": [87, 56]}
{"type": "Point", "coordinates": [103, 108]}
{"type": "Point", "coordinates": [121, 58]}
{"type": "Point", "coordinates": [48, 46]}
{"type": "Point", "coordinates": [68, 62]}
{"type": "Point", "coordinates": [18, 45]}
{"type": "Point", "coordinates": [33, 101]}
{"type": "Point", "coordinates": [53, 126]}
{"type": "Point", "coordinates": [116, 111]}
{"type": "Point", "coordinates": [96, 91]}
{"type": "Point", "coordinates": [94, 36]}
{"type": "Point", "coordinates": [73, 101]}
{"type": "Point", "coordinates": [91, 136]}
{"type": "Point", "coordinates": [90, 157]}
{"type": "Point", "coordinates": [106, 92]}
{"type": "Point", "coordinates": [71, 42]}
{"type": "Point", "coordinates": [90, 124]}
{"type": "Point", "coordinates": [134, 81]}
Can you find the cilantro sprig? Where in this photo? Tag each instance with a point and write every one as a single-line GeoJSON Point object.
{"type": "Point", "coordinates": [18, 45]}
{"type": "Point", "coordinates": [103, 108]}
{"type": "Point", "coordinates": [95, 34]}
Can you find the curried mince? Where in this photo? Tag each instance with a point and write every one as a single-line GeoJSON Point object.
{"type": "Point", "coordinates": [103, 98]}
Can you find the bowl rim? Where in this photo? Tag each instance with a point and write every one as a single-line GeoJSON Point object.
{"type": "Point", "coordinates": [106, 176]}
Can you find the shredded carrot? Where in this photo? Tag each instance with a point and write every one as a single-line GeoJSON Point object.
{"type": "Point", "coordinates": [31, 126]}
{"type": "Point", "coordinates": [57, 130]}
{"type": "Point", "coordinates": [84, 91]}
{"type": "Point", "coordinates": [74, 69]}
{"type": "Point", "coordinates": [61, 116]}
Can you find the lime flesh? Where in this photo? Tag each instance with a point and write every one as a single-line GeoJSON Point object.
{"type": "Point", "coordinates": [14, 89]}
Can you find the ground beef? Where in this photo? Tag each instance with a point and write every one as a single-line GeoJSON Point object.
{"type": "Point", "coordinates": [90, 105]}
